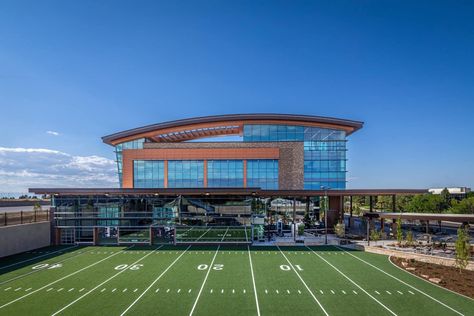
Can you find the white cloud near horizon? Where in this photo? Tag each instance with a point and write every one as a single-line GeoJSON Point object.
{"type": "Point", "coordinates": [23, 168]}
{"type": "Point", "coordinates": [52, 133]}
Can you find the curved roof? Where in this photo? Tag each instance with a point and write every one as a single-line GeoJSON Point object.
{"type": "Point", "coordinates": [229, 124]}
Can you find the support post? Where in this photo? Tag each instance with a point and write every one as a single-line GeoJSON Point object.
{"type": "Point", "coordinates": [368, 231]}
{"type": "Point", "coordinates": [351, 210]}
{"type": "Point", "coordinates": [371, 203]}
{"type": "Point", "coordinates": [294, 219]}
{"type": "Point", "coordinates": [151, 235]}
{"type": "Point", "coordinates": [326, 211]}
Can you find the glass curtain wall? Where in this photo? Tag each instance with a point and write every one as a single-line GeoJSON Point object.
{"type": "Point", "coordinates": [134, 144]}
{"type": "Point", "coordinates": [225, 173]}
{"type": "Point", "coordinates": [185, 173]}
{"type": "Point", "coordinates": [262, 173]}
{"type": "Point", "coordinates": [148, 174]}
{"type": "Point", "coordinates": [324, 151]}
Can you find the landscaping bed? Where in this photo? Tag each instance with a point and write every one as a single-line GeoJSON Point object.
{"type": "Point", "coordinates": [447, 277]}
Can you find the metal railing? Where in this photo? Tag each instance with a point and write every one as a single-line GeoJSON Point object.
{"type": "Point", "coordinates": [23, 217]}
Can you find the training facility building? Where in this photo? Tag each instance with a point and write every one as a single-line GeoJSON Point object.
{"type": "Point", "coordinates": [214, 179]}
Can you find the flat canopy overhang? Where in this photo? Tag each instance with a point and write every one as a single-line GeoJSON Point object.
{"type": "Point", "coordinates": [219, 125]}
{"type": "Point", "coordinates": [224, 191]}
{"type": "Point", "coordinates": [458, 218]}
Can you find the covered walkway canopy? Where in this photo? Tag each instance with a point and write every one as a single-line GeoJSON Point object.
{"type": "Point", "coordinates": [456, 218]}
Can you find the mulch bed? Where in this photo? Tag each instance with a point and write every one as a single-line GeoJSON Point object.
{"type": "Point", "coordinates": [448, 277]}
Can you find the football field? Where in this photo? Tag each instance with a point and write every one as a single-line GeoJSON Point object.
{"type": "Point", "coordinates": [216, 280]}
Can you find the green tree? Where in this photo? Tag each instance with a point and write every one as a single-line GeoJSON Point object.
{"type": "Point", "coordinates": [465, 206]}
{"type": "Point", "coordinates": [446, 198]}
{"type": "Point", "coordinates": [402, 202]}
{"type": "Point", "coordinates": [399, 231]}
{"type": "Point", "coordinates": [462, 248]}
{"type": "Point", "coordinates": [384, 203]}
{"type": "Point", "coordinates": [426, 203]}
{"type": "Point", "coordinates": [37, 207]}
{"type": "Point", "coordinates": [300, 230]}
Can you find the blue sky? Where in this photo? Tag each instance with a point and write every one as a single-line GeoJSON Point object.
{"type": "Point", "coordinates": [84, 69]}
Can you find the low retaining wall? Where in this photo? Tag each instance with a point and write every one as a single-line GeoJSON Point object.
{"type": "Point", "coordinates": [19, 238]}
{"type": "Point", "coordinates": [416, 256]}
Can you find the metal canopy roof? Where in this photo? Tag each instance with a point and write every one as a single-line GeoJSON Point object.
{"type": "Point", "coordinates": [181, 130]}
{"type": "Point", "coordinates": [224, 191]}
{"type": "Point", "coordinates": [459, 218]}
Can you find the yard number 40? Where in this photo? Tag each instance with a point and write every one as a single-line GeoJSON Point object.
{"type": "Point", "coordinates": [133, 267]}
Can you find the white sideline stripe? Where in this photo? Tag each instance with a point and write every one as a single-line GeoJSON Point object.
{"type": "Point", "coordinates": [153, 283]}
{"type": "Point", "coordinates": [204, 282]}
{"type": "Point", "coordinates": [202, 235]}
{"type": "Point", "coordinates": [225, 234]}
{"type": "Point", "coordinates": [253, 282]}
{"type": "Point", "coordinates": [350, 280]}
{"type": "Point", "coordinates": [47, 254]}
{"type": "Point", "coordinates": [403, 282]}
{"type": "Point", "coordinates": [304, 283]}
{"type": "Point", "coordinates": [64, 277]}
{"type": "Point", "coordinates": [472, 299]}
{"type": "Point", "coordinates": [97, 286]}
{"type": "Point", "coordinates": [42, 269]}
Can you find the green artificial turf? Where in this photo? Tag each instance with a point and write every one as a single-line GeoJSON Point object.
{"type": "Point", "coordinates": [216, 280]}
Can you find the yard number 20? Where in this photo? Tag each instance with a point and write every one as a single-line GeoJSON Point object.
{"type": "Point", "coordinates": [216, 266]}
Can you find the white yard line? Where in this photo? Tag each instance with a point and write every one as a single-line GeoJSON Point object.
{"type": "Point", "coordinates": [225, 233]}
{"type": "Point", "coordinates": [403, 282]}
{"type": "Point", "coordinates": [204, 282]}
{"type": "Point", "coordinates": [48, 254]}
{"type": "Point", "coordinates": [353, 282]}
{"type": "Point", "coordinates": [153, 283]}
{"type": "Point", "coordinates": [304, 283]}
{"type": "Point", "coordinates": [42, 269]}
{"type": "Point", "coordinates": [203, 234]}
{"type": "Point", "coordinates": [64, 277]}
{"type": "Point", "coordinates": [429, 281]}
{"type": "Point", "coordinates": [253, 281]}
{"type": "Point", "coordinates": [101, 284]}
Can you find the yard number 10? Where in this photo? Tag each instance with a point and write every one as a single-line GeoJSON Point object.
{"type": "Point", "coordinates": [285, 267]}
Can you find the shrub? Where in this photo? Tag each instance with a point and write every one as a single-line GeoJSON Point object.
{"type": "Point", "coordinates": [409, 238]}
{"type": "Point", "coordinates": [462, 249]}
{"type": "Point", "coordinates": [339, 229]}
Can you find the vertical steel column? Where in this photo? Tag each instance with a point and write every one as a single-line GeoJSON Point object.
{"type": "Point", "coordinates": [351, 209]}
{"type": "Point", "coordinates": [294, 219]}
{"type": "Point", "coordinates": [371, 203]}
{"type": "Point", "coordinates": [326, 211]}
{"type": "Point", "coordinates": [368, 231]}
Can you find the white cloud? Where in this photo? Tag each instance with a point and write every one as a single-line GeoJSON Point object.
{"type": "Point", "coordinates": [29, 150]}
{"type": "Point", "coordinates": [23, 168]}
{"type": "Point", "coordinates": [52, 133]}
